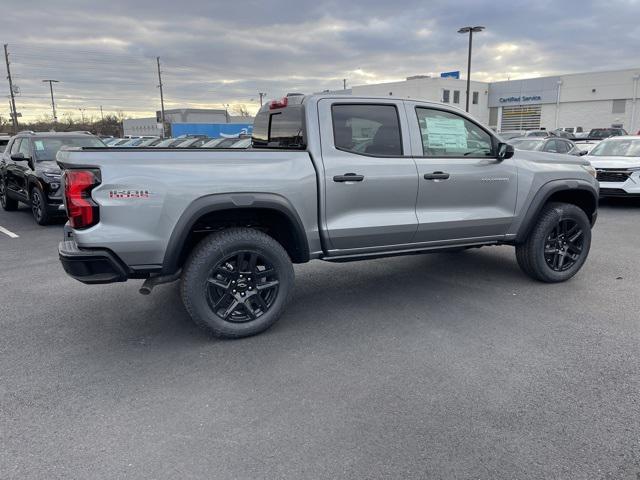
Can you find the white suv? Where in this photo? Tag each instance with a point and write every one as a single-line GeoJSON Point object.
{"type": "Point", "coordinates": [617, 161]}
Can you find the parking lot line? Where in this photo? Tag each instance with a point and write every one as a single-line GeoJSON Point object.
{"type": "Point", "coordinates": [8, 232]}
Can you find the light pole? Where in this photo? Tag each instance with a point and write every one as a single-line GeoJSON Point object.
{"type": "Point", "coordinates": [470, 30]}
{"type": "Point", "coordinates": [53, 103]}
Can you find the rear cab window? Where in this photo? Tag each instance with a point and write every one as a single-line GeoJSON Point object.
{"type": "Point", "coordinates": [278, 126]}
{"type": "Point", "coordinates": [367, 129]}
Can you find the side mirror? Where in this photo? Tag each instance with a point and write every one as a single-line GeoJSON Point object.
{"type": "Point", "coordinates": [505, 151]}
{"type": "Point", "coordinates": [19, 157]}
{"type": "Point", "coordinates": [583, 152]}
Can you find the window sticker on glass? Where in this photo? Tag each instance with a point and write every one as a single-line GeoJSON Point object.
{"type": "Point", "coordinates": [446, 133]}
{"type": "Point", "coordinates": [39, 145]}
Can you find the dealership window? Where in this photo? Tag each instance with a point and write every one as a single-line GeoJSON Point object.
{"type": "Point", "coordinates": [367, 129]}
{"type": "Point", "coordinates": [456, 96]}
{"type": "Point", "coordinates": [446, 134]}
{"type": "Point", "coordinates": [445, 96]}
{"type": "Point", "coordinates": [619, 106]}
{"type": "Point", "coordinates": [475, 98]}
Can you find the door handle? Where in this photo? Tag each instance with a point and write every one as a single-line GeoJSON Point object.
{"type": "Point", "coordinates": [348, 177]}
{"type": "Point", "coordinates": [436, 176]}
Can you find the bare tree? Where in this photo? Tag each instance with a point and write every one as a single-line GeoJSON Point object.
{"type": "Point", "coordinates": [240, 110]}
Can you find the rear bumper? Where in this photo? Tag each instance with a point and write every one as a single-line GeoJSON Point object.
{"type": "Point", "coordinates": [91, 266]}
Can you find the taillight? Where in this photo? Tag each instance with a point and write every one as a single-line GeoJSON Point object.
{"type": "Point", "coordinates": [81, 209]}
{"type": "Point", "coordinates": [273, 104]}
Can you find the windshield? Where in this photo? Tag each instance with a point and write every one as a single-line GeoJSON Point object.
{"type": "Point", "coordinates": [46, 148]}
{"type": "Point", "coordinates": [617, 148]}
{"type": "Point", "coordinates": [527, 144]}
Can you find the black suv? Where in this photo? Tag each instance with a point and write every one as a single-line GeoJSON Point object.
{"type": "Point", "coordinates": [29, 172]}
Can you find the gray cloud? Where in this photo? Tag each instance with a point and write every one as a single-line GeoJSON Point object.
{"type": "Point", "coordinates": [225, 52]}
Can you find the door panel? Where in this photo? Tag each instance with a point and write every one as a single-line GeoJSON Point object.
{"type": "Point", "coordinates": [463, 196]}
{"type": "Point", "coordinates": [378, 209]}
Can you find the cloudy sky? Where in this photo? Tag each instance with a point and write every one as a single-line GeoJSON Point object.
{"type": "Point", "coordinates": [225, 52]}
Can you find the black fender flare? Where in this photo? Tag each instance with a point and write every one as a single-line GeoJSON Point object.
{"type": "Point", "coordinates": [229, 201]}
{"type": "Point", "coordinates": [542, 196]}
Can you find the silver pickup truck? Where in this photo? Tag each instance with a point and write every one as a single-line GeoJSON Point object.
{"type": "Point", "coordinates": [334, 178]}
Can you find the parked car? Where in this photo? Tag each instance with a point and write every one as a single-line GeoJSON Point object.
{"type": "Point", "coordinates": [549, 144]}
{"type": "Point", "coordinates": [4, 141]}
{"type": "Point", "coordinates": [111, 141]}
{"type": "Point", "coordinates": [150, 142]}
{"type": "Point", "coordinates": [29, 172]}
{"type": "Point", "coordinates": [562, 134]}
{"type": "Point", "coordinates": [509, 134]}
{"type": "Point", "coordinates": [617, 163]}
{"type": "Point", "coordinates": [138, 141]}
{"type": "Point", "coordinates": [232, 142]}
{"type": "Point", "coordinates": [573, 130]}
{"type": "Point", "coordinates": [431, 178]}
{"type": "Point", "coordinates": [602, 133]}
{"type": "Point", "coordinates": [242, 143]}
{"type": "Point", "coordinates": [120, 142]}
{"type": "Point", "coordinates": [174, 142]}
{"type": "Point", "coordinates": [584, 144]}
{"type": "Point", "coordinates": [212, 143]}
{"type": "Point", "coordinates": [193, 142]}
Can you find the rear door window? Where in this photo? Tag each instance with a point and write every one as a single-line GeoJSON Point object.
{"type": "Point", "coordinates": [367, 129]}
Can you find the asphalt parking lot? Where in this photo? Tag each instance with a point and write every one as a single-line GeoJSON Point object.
{"type": "Point", "coordinates": [432, 366]}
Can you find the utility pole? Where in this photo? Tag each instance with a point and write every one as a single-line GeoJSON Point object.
{"type": "Point", "coordinates": [101, 113]}
{"type": "Point", "coordinates": [262, 95]}
{"type": "Point", "coordinates": [53, 103]}
{"type": "Point", "coordinates": [82, 113]}
{"type": "Point", "coordinates": [344, 83]}
{"type": "Point", "coordinates": [161, 95]}
{"type": "Point", "coordinates": [14, 113]}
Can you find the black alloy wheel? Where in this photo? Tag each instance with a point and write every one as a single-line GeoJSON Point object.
{"type": "Point", "coordinates": [557, 245]}
{"type": "Point", "coordinates": [37, 206]}
{"type": "Point", "coordinates": [242, 287]}
{"type": "Point", "coordinates": [564, 245]}
{"type": "Point", "coordinates": [3, 194]}
{"type": "Point", "coordinates": [236, 282]}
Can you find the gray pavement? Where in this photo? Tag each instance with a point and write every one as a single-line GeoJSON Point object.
{"type": "Point", "coordinates": [431, 366]}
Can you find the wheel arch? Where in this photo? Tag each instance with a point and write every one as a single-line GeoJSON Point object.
{"type": "Point", "coordinates": [577, 192]}
{"type": "Point", "coordinates": [271, 213]}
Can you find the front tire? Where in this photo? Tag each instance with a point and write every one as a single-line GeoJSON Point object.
{"type": "Point", "coordinates": [8, 204]}
{"type": "Point", "coordinates": [39, 207]}
{"type": "Point", "coordinates": [237, 282]}
{"type": "Point", "coordinates": [558, 244]}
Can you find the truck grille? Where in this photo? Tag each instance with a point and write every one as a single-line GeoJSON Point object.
{"type": "Point", "coordinates": [612, 175]}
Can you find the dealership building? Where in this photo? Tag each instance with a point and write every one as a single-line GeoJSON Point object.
{"type": "Point", "coordinates": [587, 100]}
{"type": "Point", "coordinates": [189, 121]}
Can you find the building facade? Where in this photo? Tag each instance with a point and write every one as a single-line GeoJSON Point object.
{"type": "Point", "coordinates": [196, 118]}
{"type": "Point", "coordinates": [587, 100]}
{"type": "Point", "coordinates": [436, 89]}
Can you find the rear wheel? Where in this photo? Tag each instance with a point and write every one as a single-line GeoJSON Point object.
{"type": "Point", "coordinates": [39, 206]}
{"type": "Point", "coordinates": [236, 283]}
{"type": "Point", "coordinates": [8, 204]}
{"type": "Point", "coordinates": [558, 244]}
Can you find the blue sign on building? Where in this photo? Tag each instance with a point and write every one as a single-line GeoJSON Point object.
{"type": "Point", "coordinates": [455, 74]}
{"type": "Point", "coordinates": [213, 130]}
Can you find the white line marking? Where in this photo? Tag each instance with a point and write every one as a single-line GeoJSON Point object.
{"type": "Point", "coordinates": [8, 232]}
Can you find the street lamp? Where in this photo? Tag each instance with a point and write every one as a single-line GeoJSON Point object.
{"type": "Point", "coordinates": [470, 31]}
{"type": "Point", "coordinates": [53, 104]}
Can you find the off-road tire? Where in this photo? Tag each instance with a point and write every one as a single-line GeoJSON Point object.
{"type": "Point", "coordinates": [207, 256]}
{"type": "Point", "coordinates": [531, 254]}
